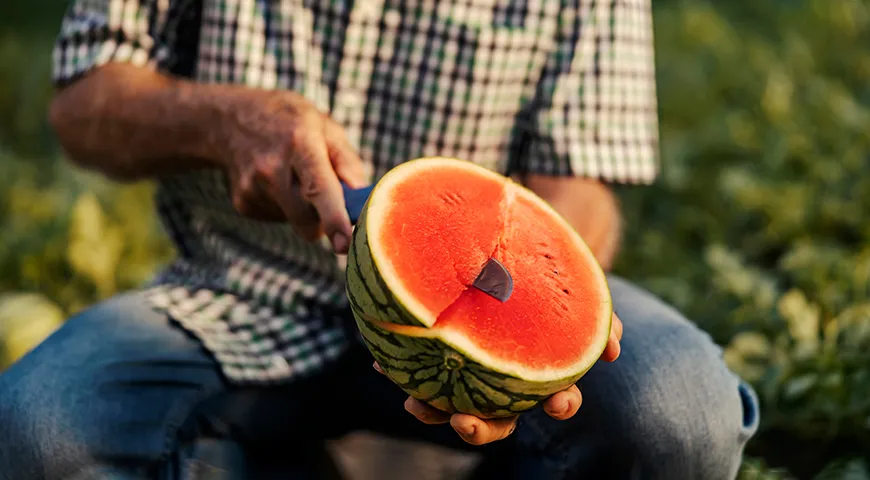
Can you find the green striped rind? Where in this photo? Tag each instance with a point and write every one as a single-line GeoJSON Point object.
{"type": "Point", "coordinates": [366, 289]}
{"type": "Point", "coordinates": [433, 372]}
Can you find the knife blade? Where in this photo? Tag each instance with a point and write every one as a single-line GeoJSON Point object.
{"type": "Point", "coordinates": [493, 279]}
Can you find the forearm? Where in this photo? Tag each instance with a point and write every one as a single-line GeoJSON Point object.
{"type": "Point", "coordinates": [589, 206]}
{"type": "Point", "coordinates": [128, 122]}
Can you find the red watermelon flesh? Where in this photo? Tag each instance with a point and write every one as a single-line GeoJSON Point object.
{"type": "Point", "coordinates": [438, 227]}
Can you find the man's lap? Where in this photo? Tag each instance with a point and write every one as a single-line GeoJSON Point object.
{"type": "Point", "coordinates": [120, 382]}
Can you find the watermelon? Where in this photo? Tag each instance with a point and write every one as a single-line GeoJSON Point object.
{"type": "Point", "coordinates": [422, 238]}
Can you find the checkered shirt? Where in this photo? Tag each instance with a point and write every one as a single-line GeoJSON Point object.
{"type": "Point", "coordinates": [557, 87]}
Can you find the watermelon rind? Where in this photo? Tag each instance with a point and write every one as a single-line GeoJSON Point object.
{"type": "Point", "coordinates": [438, 366]}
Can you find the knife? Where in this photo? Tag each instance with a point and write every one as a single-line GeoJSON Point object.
{"type": "Point", "coordinates": [493, 279]}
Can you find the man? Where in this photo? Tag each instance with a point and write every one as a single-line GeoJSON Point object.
{"type": "Point", "coordinates": [249, 114]}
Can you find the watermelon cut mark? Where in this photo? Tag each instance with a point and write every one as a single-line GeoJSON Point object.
{"type": "Point", "coordinates": [440, 224]}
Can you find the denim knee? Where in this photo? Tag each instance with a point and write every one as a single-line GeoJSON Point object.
{"type": "Point", "coordinates": [685, 404]}
{"type": "Point", "coordinates": [667, 408]}
{"type": "Point", "coordinates": [689, 418]}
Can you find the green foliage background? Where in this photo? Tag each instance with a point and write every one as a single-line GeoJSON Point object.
{"type": "Point", "coordinates": [759, 228]}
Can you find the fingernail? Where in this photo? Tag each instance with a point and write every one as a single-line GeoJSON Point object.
{"type": "Point", "coordinates": [340, 242]}
{"type": "Point", "coordinates": [466, 430]}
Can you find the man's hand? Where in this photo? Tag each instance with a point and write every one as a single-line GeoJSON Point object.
{"type": "Point", "coordinates": [284, 158]}
{"type": "Point", "coordinates": [477, 431]}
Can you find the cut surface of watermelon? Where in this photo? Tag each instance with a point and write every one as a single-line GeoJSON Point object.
{"type": "Point", "coordinates": [433, 223]}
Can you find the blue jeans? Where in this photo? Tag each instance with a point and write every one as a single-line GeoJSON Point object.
{"type": "Point", "coordinates": [120, 392]}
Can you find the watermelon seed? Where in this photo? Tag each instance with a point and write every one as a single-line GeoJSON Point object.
{"type": "Point", "coordinates": [556, 272]}
{"type": "Point", "coordinates": [548, 256]}
{"type": "Point", "coordinates": [565, 290]}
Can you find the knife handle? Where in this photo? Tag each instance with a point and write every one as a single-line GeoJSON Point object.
{"type": "Point", "coordinates": [355, 199]}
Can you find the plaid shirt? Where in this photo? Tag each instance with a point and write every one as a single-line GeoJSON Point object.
{"type": "Point", "coordinates": [558, 87]}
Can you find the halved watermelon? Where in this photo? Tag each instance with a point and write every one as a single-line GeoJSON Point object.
{"type": "Point", "coordinates": [423, 237]}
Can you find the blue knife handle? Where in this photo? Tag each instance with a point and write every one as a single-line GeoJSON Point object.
{"type": "Point", "coordinates": [355, 199]}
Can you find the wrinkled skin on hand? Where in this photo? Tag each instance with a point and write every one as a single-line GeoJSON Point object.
{"type": "Point", "coordinates": [285, 160]}
{"type": "Point", "coordinates": [476, 431]}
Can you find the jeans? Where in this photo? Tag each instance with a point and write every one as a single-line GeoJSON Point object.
{"type": "Point", "coordinates": [120, 392]}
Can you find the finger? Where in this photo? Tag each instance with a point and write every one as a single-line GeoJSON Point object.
{"type": "Point", "coordinates": [425, 413]}
{"type": "Point", "coordinates": [309, 233]}
{"type": "Point", "coordinates": [477, 431]}
{"type": "Point", "coordinates": [348, 166]}
{"type": "Point", "coordinates": [613, 349]}
{"type": "Point", "coordinates": [250, 201]}
{"type": "Point", "coordinates": [617, 323]}
{"type": "Point", "coordinates": [345, 160]}
{"type": "Point", "coordinates": [378, 368]}
{"type": "Point", "coordinates": [565, 404]}
{"type": "Point", "coordinates": [263, 207]}
{"type": "Point", "coordinates": [320, 186]}
{"type": "Point", "coordinates": [272, 177]}
{"type": "Point", "coordinates": [611, 352]}
{"type": "Point", "coordinates": [303, 216]}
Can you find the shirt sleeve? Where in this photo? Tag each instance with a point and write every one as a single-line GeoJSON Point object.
{"type": "Point", "coordinates": [96, 32]}
{"type": "Point", "coordinates": [595, 110]}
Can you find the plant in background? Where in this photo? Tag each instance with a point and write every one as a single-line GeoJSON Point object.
{"type": "Point", "coordinates": [758, 229]}
{"type": "Point", "coordinates": [68, 239]}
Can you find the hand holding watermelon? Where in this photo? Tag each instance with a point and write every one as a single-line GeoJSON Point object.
{"type": "Point", "coordinates": [467, 354]}
{"type": "Point", "coordinates": [476, 431]}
